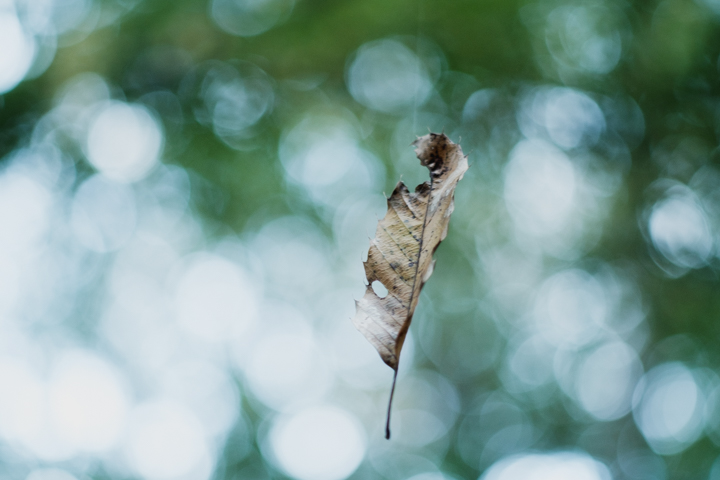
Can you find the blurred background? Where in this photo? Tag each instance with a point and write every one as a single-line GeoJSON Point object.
{"type": "Point", "coordinates": [187, 189]}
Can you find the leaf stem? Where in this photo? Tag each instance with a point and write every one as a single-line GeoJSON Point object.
{"type": "Point", "coordinates": [412, 296]}
{"type": "Point", "coordinates": [392, 393]}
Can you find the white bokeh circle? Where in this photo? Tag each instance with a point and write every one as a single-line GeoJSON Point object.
{"type": "Point", "coordinates": [319, 443]}
{"type": "Point", "coordinates": [124, 141]}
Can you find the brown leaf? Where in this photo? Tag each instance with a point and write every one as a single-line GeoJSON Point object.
{"type": "Point", "coordinates": [400, 255]}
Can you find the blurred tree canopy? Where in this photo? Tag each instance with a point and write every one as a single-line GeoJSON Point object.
{"type": "Point", "coordinates": [186, 192]}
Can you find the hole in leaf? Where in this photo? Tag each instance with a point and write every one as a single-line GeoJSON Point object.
{"type": "Point", "coordinates": [379, 289]}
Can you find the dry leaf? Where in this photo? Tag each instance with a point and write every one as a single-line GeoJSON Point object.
{"type": "Point", "coordinates": [400, 255]}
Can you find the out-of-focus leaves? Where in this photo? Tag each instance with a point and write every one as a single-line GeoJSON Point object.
{"type": "Point", "coordinates": [574, 306]}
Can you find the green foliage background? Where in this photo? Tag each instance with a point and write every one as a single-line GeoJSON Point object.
{"type": "Point", "coordinates": [468, 323]}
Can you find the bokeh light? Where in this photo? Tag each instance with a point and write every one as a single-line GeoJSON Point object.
{"type": "Point", "coordinates": [50, 474]}
{"type": "Point", "coordinates": [19, 51]}
{"type": "Point", "coordinates": [88, 402]}
{"type": "Point", "coordinates": [322, 154]}
{"type": "Point", "coordinates": [235, 98]}
{"type": "Point", "coordinates": [318, 443]}
{"type": "Point", "coordinates": [680, 230]}
{"type": "Point", "coordinates": [284, 367]}
{"type": "Point", "coordinates": [588, 37]}
{"type": "Point", "coordinates": [387, 76]}
{"type": "Point", "coordinates": [215, 299]}
{"type": "Point", "coordinates": [606, 380]}
{"type": "Point", "coordinates": [103, 214]}
{"type": "Point", "coordinates": [166, 441]}
{"type": "Point", "coordinates": [560, 466]}
{"type": "Point", "coordinates": [668, 408]}
{"type": "Point", "coordinates": [22, 411]}
{"type": "Point", "coordinates": [188, 189]}
{"type": "Point", "coordinates": [248, 18]}
{"type": "Point", "coordinates": [540, 189]}
{"type": "Point", "coordinates": [123, 141]}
